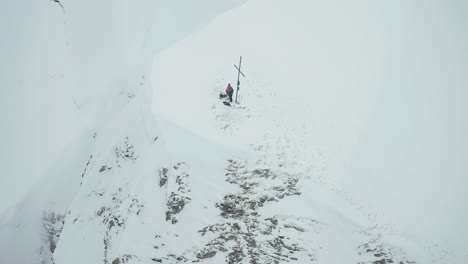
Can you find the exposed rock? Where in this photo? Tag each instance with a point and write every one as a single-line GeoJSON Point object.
{"type": "Point", "coordinates": [104, 168]}
{"type": "Point", "coordinates": [384, 253]}
{"type": "Point", "coordinates": [163, 177]}
{"type": "Point", "coordinates": [178, 187]}
{"type": "Point", "coordinates": [244, 245]}
{"type": "Point", "coordinates": [205, 255]}
{"type": "Point", "coordinates": [125, 151]}
{"type": "Point", "coordinates": [53, 226]}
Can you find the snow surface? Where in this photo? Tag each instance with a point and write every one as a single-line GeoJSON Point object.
{"type": "Point", "coordinates": [347, 145]}
{"type": "Point", "coordinates": [368, 96]}
{"type": "Point", "coordinates": [66, 71]}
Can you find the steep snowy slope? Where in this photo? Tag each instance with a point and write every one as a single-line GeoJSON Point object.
{"type": "Point", "coordinates": [269, 180]}
{"type": "Point", "coordinates": [66, 71]}
{"type": "Point", "coordinates": [76, 98]}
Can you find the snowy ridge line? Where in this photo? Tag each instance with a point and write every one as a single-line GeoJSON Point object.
{"type": "Point", "coordinates": [347, 143]}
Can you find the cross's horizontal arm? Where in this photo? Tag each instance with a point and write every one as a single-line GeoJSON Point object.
{"type": "Point", "coordinates": [239, 70]}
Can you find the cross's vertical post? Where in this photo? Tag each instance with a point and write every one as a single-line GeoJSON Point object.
{"type": "Point", "coordinates": [238, 75]}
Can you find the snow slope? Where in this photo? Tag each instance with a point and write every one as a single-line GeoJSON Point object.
{"type": "Point", "coordinates": [292, 173]}
{"type": "Point", "coordinates": [76, 101]}
{"type": "Point", "coordinates": [66, 71]}
{"type": "Point", "coordinates": [366, 98]}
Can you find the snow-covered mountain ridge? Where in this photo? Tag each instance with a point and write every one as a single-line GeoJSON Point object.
{"type": "Point", "coordinates": [364, 98]}
{"type": "Point", "coordinates": [264, 181]}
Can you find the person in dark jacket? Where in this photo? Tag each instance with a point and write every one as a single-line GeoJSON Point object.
{"type": "Point", "coordinates": [229, 92]}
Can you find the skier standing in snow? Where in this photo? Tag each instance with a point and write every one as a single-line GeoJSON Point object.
{"type": "Point", "coordinates": [229, 92]}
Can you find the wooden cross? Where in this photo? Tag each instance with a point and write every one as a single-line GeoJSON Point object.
{"type": "Point", "coordinates": [239, 72]}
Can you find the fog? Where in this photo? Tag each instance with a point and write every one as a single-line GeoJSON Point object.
{"type": "Point", "coordinates": [61, 69]}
